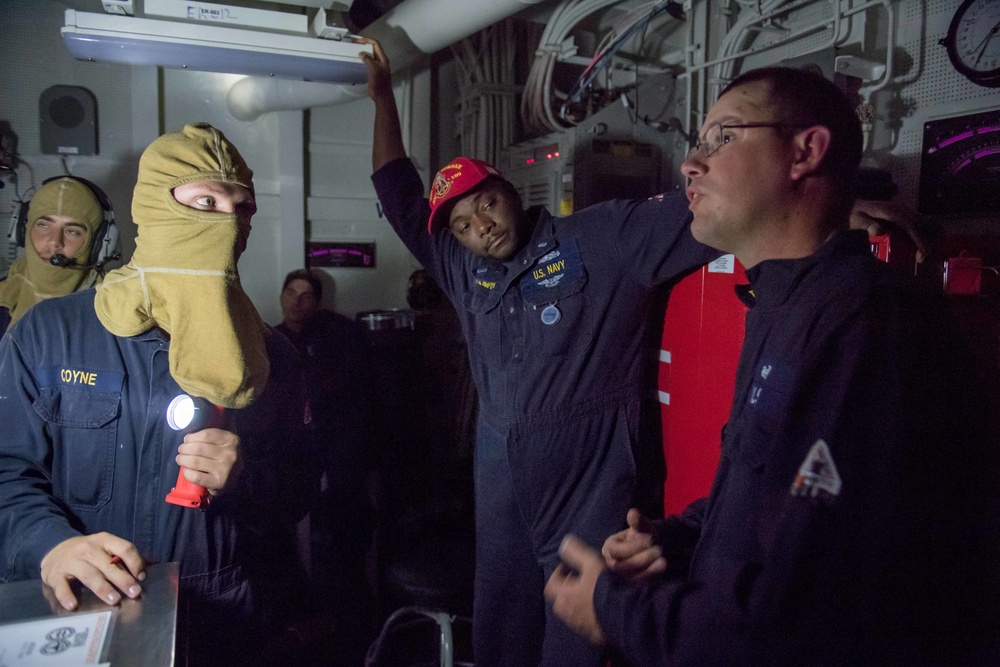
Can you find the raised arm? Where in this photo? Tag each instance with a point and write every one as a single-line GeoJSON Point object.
{"type": "Point", "coordinates": [388, 141]}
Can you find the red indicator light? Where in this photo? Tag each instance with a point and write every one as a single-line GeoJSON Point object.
{"type": "Point", "coordinates": [530, 160]}
{"type": "Point", "coordinates": [557, 153]}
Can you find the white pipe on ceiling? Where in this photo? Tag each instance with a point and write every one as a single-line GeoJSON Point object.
{"type": "Point", "coordinates": [411, 30]}
{"type": "Point", "coordinates": [418, 28]}
{"type": "Point", "coordinates": [253, 96]}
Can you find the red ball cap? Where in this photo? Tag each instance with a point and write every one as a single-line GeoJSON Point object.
{"type": "Point", "coordinates": [460, 176]}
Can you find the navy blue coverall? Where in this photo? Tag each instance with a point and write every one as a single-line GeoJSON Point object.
{"type": "Point", "coordinates": [557, 341]}
{"type": "Point", "coordinates": [878, 547]}
{"type": "Point", "coordinates": [86, 448]}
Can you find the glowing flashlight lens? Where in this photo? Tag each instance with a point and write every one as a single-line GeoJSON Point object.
{"type": "Point", "coordinates": [180, 412]}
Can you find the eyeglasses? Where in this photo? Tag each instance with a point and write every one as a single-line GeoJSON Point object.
{"type": "Point", "coordinates": [715, 137]}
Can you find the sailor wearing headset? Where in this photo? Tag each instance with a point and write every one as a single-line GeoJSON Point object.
{"type": "Point", "coordinates": [71, 227]}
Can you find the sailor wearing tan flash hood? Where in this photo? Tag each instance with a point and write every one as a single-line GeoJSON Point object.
{"type": "Point", "coordinates": [182, 277]}
{"type": "Point", "coordinates": [87, 458]}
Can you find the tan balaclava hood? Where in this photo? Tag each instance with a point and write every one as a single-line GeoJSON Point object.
{"type": "Point", "coordinates": [31, 279]}
{"type": "Point", "coordinates": [183, 278]}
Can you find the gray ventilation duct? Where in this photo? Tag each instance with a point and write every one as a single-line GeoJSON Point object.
{"type": "Point", "coordinates": [410, 31]}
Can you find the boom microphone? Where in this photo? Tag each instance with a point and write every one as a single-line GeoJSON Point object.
{"type": "Point", "coordinates": [71, 263]}
{"type": "Point", "coordinates": [64, 261]}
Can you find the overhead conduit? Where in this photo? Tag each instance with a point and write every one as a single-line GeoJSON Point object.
{"type": "Point", "coordinates": [408, 32]}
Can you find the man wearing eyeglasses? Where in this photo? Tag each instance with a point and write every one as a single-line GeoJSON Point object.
{"type": "Point", "coordinates": [852, 517]}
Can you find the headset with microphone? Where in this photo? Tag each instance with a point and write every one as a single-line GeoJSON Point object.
{"type": "Point", "coordinates": [65, 262]}
{"type": "Point", "coordinates": [103, 247]}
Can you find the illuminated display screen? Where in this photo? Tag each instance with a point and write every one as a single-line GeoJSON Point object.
{"type": "Point", "coordinates": [338, 254]}
{"type": "Point", "coordinates": [960, 165]}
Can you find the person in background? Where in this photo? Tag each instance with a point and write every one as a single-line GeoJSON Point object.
{"type": "Point", "coordinates": [339, 383]}
{"type": "Point", "coordinates": [852, 520]}
{"type": "Point", "coordinates": [64, 216]}
{"type": "Point", "coordinates": [87, 456]}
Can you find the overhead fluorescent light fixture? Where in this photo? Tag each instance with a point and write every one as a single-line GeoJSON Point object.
{"type": "Point", "coordinates": [210, 48]}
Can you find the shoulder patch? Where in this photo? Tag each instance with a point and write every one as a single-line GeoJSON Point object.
{"type": "Point", "coordinates": [817, 474]}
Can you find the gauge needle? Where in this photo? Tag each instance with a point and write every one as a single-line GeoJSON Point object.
{"type": "Point", "coordinates": [981, 47]}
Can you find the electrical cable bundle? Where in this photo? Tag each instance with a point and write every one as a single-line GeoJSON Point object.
{"type": "Point", "coordinates": [536, 104]}
{"type": "Point", "coordinates": [736, 39]}
{"type": "Point", "coordinates": [622, 31]}
{"type": "Point", "coordinates": [485, 123]}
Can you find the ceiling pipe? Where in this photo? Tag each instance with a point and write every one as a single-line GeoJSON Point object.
{"type": "Point", "coordinates": [418, 28]}
{"type": "Point", "coordinates": [408, 32]}
{"type": "Point", "coordinates": [248, 99]}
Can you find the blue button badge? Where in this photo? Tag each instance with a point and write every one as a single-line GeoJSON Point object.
{"type": "Point", "coordinates": [550, 314]}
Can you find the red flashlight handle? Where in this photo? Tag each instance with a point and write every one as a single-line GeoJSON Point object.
{"type": "Point", "coordinates": [187, 494]}
{"type": "Point", "coordinates": [204, 415]}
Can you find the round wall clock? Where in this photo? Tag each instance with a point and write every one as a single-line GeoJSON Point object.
{"type": "Point", "coordinates": [973, 41]}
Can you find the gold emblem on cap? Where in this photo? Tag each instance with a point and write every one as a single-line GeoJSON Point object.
{"type": "Point", "coordinates": [442, 184]}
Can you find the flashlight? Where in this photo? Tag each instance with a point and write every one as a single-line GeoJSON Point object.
{"type": "Point", "coordinates": [189, 414]}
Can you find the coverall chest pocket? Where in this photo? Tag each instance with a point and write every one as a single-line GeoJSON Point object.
{"type": "Point", "coordinates": [83, 427]}
{"type": "Point", "coordinates": [767, 409]}
{"type": "Point", "coordinates": [556, 303]}
{"type": "Point", "coordinates": [753, 438]}
{"type": "Point", "coordinates": [486, 326]}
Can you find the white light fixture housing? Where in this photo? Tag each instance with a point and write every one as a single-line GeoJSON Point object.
{"type": "Point", "coordinates": [211, 48]}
